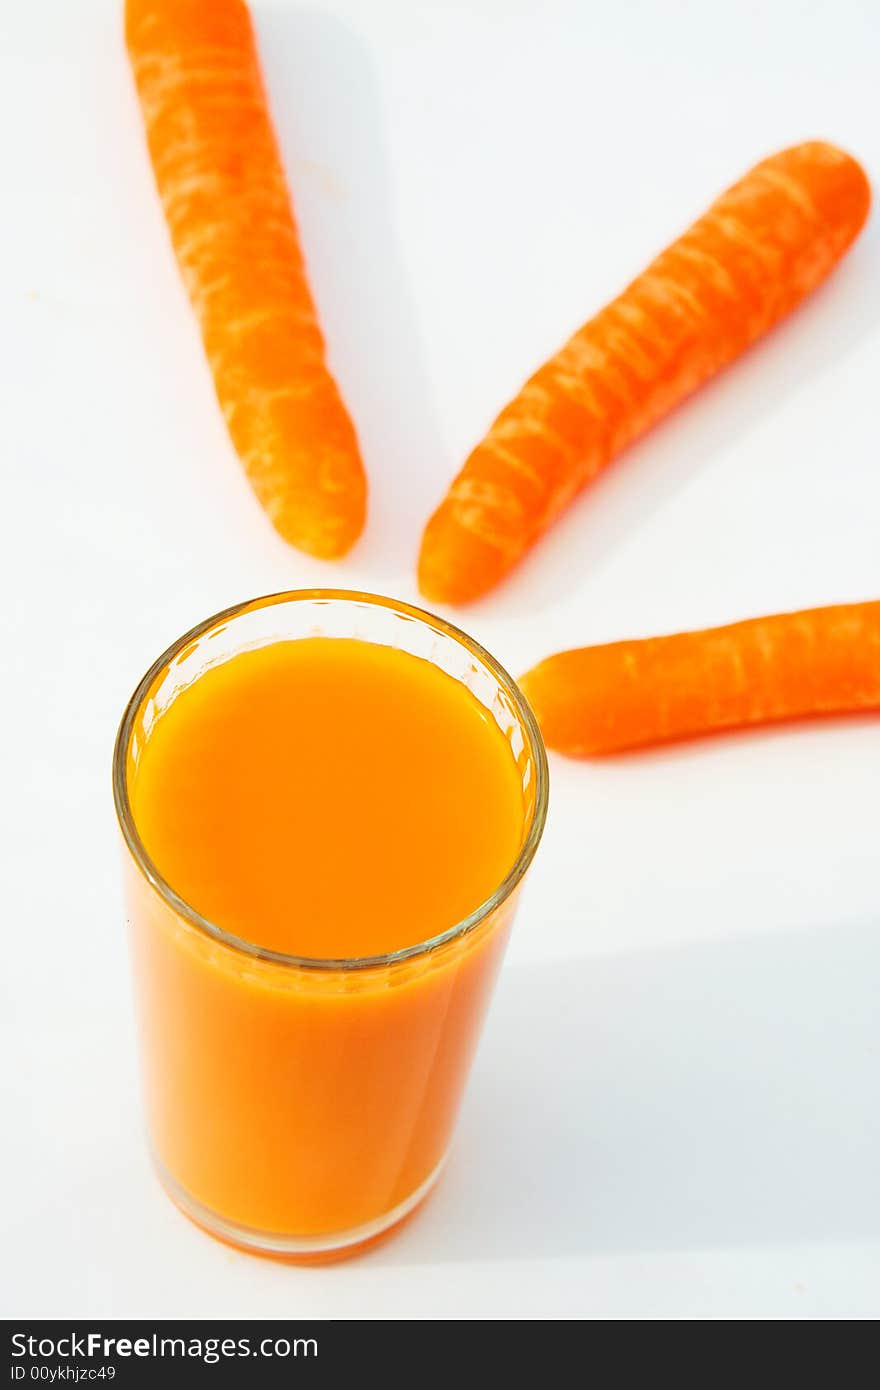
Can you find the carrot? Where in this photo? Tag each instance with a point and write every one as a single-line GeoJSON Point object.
{"type": "Point", "coordinates": [623, 695]}
{"type": "Point", "coordinates": [222, 185]}
{"type": "Point", "coordinates": [759, 250]}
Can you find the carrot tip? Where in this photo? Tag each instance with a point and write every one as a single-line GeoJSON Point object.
{"type": "Point", "coordinates": [839, 186]}
{"type": "Point", "coordinates": [455, 564]}
{"type": "Point", "coordinates": [326, 537]}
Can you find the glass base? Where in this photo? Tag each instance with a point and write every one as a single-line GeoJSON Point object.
{"type": "Point", "coordinates": [319, 1249]}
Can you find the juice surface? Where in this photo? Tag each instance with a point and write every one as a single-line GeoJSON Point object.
{"type": "Point", "coordinates": [329, 797]}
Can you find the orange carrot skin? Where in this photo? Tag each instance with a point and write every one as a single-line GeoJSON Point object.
{"type": "Point", "coordinates": [223, 189]}
{"type": "Point", "coordinates": [606, 699]}
{"type": "Point", "coordinates": [759, 250]}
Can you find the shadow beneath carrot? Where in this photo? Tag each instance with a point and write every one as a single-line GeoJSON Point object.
{"type": "Point", "coordinates": [829, 326]}
{"type": "Point", "coordinates": [327, 108]}
{"type": "Point", "coordinates": [712, 1094]}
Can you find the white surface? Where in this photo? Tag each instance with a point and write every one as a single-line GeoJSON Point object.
{"type": "Point", "coordinates": [674, 1111]}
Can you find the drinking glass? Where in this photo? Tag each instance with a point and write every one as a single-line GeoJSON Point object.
{"type": "Point", "coordinates": [303, 1107]}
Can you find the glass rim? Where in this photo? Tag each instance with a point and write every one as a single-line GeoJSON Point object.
{"type": "Point", "coordinates": [173, 899]}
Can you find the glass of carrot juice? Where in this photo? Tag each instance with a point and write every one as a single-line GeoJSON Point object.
{"type": "Point", "coordinates": [328, 803]}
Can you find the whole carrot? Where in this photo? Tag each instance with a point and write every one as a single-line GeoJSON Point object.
{"type": "Point", "coordinates": [226, 202]}
{"type": "Point", "coordinates": [759, 250]}
{"type": "Point", "coordinates": [622, 695]}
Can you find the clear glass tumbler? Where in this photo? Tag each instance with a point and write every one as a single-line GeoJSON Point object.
{"type": "Point", "coordinates": [271, 1119]}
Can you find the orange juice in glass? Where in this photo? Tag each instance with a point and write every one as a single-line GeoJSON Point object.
{"type": "Point", "coordinates": [328, 802]}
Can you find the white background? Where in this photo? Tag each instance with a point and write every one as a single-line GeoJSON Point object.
{"type": "Point", "coordinates": [674, 1111]}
